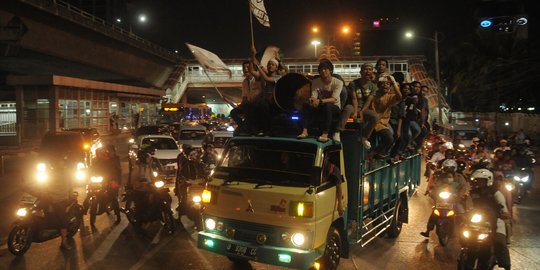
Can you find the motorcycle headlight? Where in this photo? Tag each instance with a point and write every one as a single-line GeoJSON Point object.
{"type": "Point", "coordinates": [96, 179]}
{"type": "Point", "coordinates": [41, 167]}
{"type": "Point", "coordinates": [482, 236]}
{"type": "Point", "coordinates": [155, 174]}
{"type": "Point", "coordinates": [80, 166]}
{"type": "Point", "coordinates": [42, 177]}
{"type": "Point", "coordinates": [196, 199]}
{"type": "Point", "coordinates": [525, 179]}
{"type": "Point", "coordinates": [79, 175]}
{"type": "Point", "coordinates": [159, 184]}
{"type": "Point", "coordinates": [22, 212]}
{"type": "Point", "coordinates": [298, 239]}
{"type": "Point", "coordinates": [444, 195]}
{"type": "Point", "coordinates": [476, 218]}
{"type": "Point", "coordinates": [466, 234]}
{"type": "Point", "coordinates": [517, 178]}
{"type": "Point", "coordinates": [450, 213]}
{"type": "Point", "coordinates": [436, 212]}
{"type": "Point", "coordinates": [509, 186]}
{"type": "Point", "coordinates": [461, 145]}
{"type": "Point", "coordinates": [131, 140]}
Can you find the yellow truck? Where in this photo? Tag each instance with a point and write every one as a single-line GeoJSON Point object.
{"type": "Point", "coordinates": [275, 200]}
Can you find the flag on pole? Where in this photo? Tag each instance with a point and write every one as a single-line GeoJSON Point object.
{"type": "Point", "coordinates": [208, 60]}
{"type": "Point", "coordinates": [270, 53]}
{"type": "Point", "coordinates": [258, 10]}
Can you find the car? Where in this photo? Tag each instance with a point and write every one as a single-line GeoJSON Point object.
{"type": "Point", "coordinates": [156, 155]}
{"type": "Point", "coordinates": [192, 135]}
{"type": "Point", "coordinates": [63, 144]}
{"type": "Point", "coordinates": [218, 139]}
{"type": "Point", "coordinates": [148, 130]}
{"type": "Point", "coordinates": [92, 139]}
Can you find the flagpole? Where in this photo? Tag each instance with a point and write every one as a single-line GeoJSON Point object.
{"type": "Point", "coordinates": [251, 24]}
{"type": "Point", "coordinates": [219, 92]}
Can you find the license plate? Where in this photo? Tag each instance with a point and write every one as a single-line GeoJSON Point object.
{"type": "Point", "coordinates": [443, 205]}
{"type": "Point", "coordinates": [241, 250]}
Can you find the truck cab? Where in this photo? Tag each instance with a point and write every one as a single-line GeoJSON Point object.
{"type": "Point", "coordinates": [274, 200]}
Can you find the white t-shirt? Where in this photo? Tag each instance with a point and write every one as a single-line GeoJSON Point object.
{"type": "Point", "coordinates": [321, 90]}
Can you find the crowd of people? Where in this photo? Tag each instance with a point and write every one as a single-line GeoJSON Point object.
{"type": "Point", "coordinates": [393, 113]}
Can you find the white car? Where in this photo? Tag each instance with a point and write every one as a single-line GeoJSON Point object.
{"type": "Point", "coordinates": [218, 139]}
{"type": "Point", "coordinates": [157, 154]}
{"type": "Point", "coordinates": [192, 135]}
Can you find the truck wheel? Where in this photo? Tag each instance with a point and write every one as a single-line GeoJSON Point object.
{"type": "Point", "coordinates": [19, 240]}
{"type": "Point", "coordinates": [395, 226]}
{"type": "Point", "coordinates": [332, 252]}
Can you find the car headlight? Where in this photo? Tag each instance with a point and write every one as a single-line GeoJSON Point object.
{"type": "Point", "coordinates": [466, 234]}
{"type": "Point", "coordinates": [155, 174]}
{"type": "Point", "coordinates": [131, 140]}
{"type": "Point", "coordinates": [476, 218]}
{"type": "Point", "coordinates": [444, 195]}
{"type": "Point", "coordinates": [196, 199]}
{"type": "Point", "coordinates": [210, 224]}
{"type": "Point", "coordinates": [96, 179]}
{"type": "Point", "coordinates": [301, 209]}
{"type": "Point", "coordinates": [298, 239]}
{"type": "Point", "coordinates": [159, 184]}
{"type": "Point", "coordinates": [206, 196]}
{"type": "Point", "coordinates": [22, 212]}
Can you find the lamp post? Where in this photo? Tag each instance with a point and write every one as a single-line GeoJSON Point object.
{"type": "Point", "coordinates": [315, 43]}
{"type": "Point", "coordinates": [435, 40]}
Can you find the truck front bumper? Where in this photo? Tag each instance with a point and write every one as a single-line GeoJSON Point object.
{"type": "Point", "coordinates": [281, 256]}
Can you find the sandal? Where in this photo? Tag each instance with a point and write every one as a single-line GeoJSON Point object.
{"type": "Point", "coordinates": [302, 136]}
{"type": "Point", "coordinates": [323, 139]}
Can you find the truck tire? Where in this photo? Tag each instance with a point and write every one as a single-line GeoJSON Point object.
{"type": "Point", "coordinates": [332, 252]}
{"type": "Point", "coordinates": [395, 226]}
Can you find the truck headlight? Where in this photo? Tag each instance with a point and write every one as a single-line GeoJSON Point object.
{"type": "Point", "coordinates": [301, 209]}
{"type": "Point", "coordinates": [22, 212]}
{"type": "Point", "coordinates": [96, 179]}
{"type": "Point", "coordinates": [159, 184]}
{"type": "Point", "coordinates": [298, 239]}
{"type": "Point", "coordinates": [210, 224]}
{"type": "Point", "coordinates": [206, 196]}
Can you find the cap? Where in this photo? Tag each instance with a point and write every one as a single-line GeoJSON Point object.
{"type": "Point", "coordinates": [475, 139]}
{"type": "Point", "coordinates": [503, 141]}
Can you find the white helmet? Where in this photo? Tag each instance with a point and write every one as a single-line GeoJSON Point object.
{"type": "Point", "coordinates": [483, 173]}
{"type": "Point", "coordinates": [449, 163]}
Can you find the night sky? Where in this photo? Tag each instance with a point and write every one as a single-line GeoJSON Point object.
{"type": "Point", "coordinates": [222, 26]}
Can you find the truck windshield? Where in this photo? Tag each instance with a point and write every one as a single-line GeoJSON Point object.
{"type": "Point", "coordinates": [268, 162]}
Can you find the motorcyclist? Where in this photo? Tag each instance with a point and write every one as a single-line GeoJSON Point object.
{"type": "Point", "coordinates": [487, 196]}
{"type": "Point", "coordinates": [209, 157]}
{"type": "Point", "coordinates": [114, 182]}
{"type": "Point", "coordinates": [106, 167]}
{"type": "Point", "coordinates": [447, 179]}
{"type": "Point", "coordinates": [186, 170]}
{"type": "Point", "coordinates": [56, 196]}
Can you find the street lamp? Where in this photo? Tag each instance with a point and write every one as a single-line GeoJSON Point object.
{"type": "Point", "coordinates": [315, 43]}
{"type": "Point", "coordinates": [435, 40]}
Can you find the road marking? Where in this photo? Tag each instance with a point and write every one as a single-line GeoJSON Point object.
{"type": "Point", "coordinates": [103, 249]}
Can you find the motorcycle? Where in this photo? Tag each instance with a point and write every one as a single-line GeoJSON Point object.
{"type": "Point", "coordinates": [522, 182]}
{"type": "Point", "coordinates": [445, 211]}
{"type": "Point", "coordinates": [96, 200]}
{"type": "Point", "coordinates": [35, 224]}
{"type": "Point", "coordinates": [148, 203]}
{"type": "Point", "coordinates": [476, 241]}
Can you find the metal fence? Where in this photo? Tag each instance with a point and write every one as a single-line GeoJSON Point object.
{"type": "Point", "coordinates": [8, 120]}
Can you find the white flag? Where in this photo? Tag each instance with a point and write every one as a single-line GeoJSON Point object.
{"type": "Point", "coordinates": [208, 60]}
{"type": "Point", "coordinates": [269, 53]}
{"type": "Point", "coordinates": [258, 10]}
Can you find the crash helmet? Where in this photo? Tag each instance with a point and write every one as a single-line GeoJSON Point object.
{"type": "Point", "coordinates": [449, 165]}
{"type": "Point", "coordinates": [186, 148]}
{"type": "Point", "coordinates": [483, 174]}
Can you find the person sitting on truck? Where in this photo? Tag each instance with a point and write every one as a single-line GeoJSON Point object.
{"type": "Point", "coordinates": [325, 101]}
{"type": "Point", "coordinates": [382, 103]}
{"type": "Point", "coordinates": [333, 174]}
{"type": "Point", "coordinates": [447, 179]}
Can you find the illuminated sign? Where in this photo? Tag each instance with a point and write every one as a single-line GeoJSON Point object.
{"type": "Point", "coordinates": [485, 23]}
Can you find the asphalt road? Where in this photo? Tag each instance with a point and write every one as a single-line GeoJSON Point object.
{"type": "Point", "coordinates": [112, 246]}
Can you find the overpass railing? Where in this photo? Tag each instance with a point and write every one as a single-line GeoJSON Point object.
{"type": "Point", "coordinates": [81, 17]}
